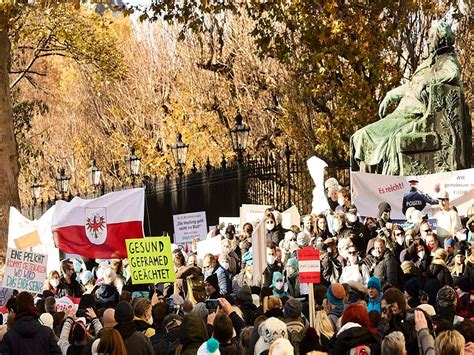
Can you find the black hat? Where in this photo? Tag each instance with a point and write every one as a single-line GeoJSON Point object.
{"type": "Point", "coordinates": [244, 294]}
{"type": "Point", "coordinates": [123, 312]}
{"type": "Point", "coordinates": [212, 280]}
{"type": "Point", "coordinates": [293, 308]}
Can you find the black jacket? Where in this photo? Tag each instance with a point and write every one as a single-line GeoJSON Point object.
{"type": "Point", "coordinates": [28, 336]}
{"type": "Point", "coordinates": [353, 337]}
{"type": "Point", "coordinates": [106, 296]}
{"type": "Point", "coordinates": [440, 272]}
{"type": "Point", "coordinates": [387, 269]}
{"type": "Point", "coordinates": [73, 289]}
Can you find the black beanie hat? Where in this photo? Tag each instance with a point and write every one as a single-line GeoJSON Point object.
{"type": "Point", "coordinates": [212, 280]}
{"type": "Point", "coordinates": [244, 295]}
{"type": "Point", "coordinates": [123, 312]}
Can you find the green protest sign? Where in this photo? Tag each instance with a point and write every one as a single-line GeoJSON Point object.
{"type": "Point", "coordinates": [150, 260]}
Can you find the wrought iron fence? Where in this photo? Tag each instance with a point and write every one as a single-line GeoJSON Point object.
{"type": "Point", "coordinates": [219, 191]}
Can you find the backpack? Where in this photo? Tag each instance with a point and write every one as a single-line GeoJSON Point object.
{"type": "Point", "coordinates": [295, 334]}
{"type": "Point", "coordinates": [195, 289]}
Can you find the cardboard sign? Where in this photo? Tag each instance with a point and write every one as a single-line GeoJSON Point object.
{"type": "Point", "coordinates": [25, 271]}
{"type": "Point", "coordinates": [27, 241]}
{"type": "Point", "coordinates": [368, 190]}
{"type": "Point", "coordinates": [150, 260]}
{"type": "Point", "coordinates": [251, 213]}
{"type": "Point", "coordinates": [291, 217]}
{"type": "Point", "coordinates": [211, 245]}
{"type": "Point", "coordinates": [65, 304]}
{"type": "Point", "coordinates": [309, 266]}
{"type": "Point", "coordinates": [188, 226]}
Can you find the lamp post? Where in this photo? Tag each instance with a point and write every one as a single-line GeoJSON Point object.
{"type": "Point", "coordinates": [180, 151]}
{"type": "Point", "coordinates": [62, 182]}
{"type": "Point", "coordinates": [93, 175]}
{"type": "Point", "coordinates": [239, 135]}
{"type": "Point", "coordinates": [35, 191]}
{"type": "Point", "coordinates": [133, 165]}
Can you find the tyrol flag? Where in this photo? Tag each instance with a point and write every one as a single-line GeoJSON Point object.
{"type": "Point", "coordinates": [98, 228]}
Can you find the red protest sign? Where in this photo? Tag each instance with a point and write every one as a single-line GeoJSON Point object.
{"type": "Point", "coordinates": [309, 265]}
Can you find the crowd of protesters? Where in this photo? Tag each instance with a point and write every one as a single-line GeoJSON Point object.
{"type": "Point", "coordinates": [387, 287]}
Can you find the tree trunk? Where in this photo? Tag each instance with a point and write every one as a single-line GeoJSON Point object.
{"type": "Point", "coordinates": [9, 167]}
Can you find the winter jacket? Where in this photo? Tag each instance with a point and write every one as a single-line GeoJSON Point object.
{"type": "Point", "coordinates": [63, 342]}
{"type": "Point", "coordinates": [425, 342]}
{"type": "Point", "coordinates": [223, 277]}
{"type": "Point", "coordinates": [375, 304]}
{"type": "Point", "coordinates": [386, 269]}
{"type": "Point", "coordinates": [29, 337]}
{"type": "Point", "coordinates": [135, 342]}
{"type": "Point", "coordinates": [107, 296]}
{"type": "Point", "coordinates": [144, 327]}
{"type": "Point", "coordinates": [352, 335]}
{"type": "Point", "coordinates": [439, 270]}
{"type": "Point", "coordinates": [268, 274]}
{"type": "Point", "coordinates": [294, 285]}
{"type": "Point", "coordinates": [248, 312]}
{"type": "Point", "coordinates": [417, 199]}
{"type": "Point", "coordinates": [276, 235]}
{"type": "Point", "coordinates": [193, 333]}
{"type": "Point", "coordinates": [331, 268]}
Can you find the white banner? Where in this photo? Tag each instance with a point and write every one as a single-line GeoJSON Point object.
{"type": "Point", "coordinates": [211, 245]}
{"type": "Point", "coordinates": [252, 213]}
{"type": "Point", "coordinates": [230, 220]}
{"type": "Point", "coordinates": [188, 226]}
{"type": "Point", "coordinates": [368, 190]}
{"type": "Point", "coordinates": [291, 217]}
{"type": "Point", "coordinates": [20, 227]}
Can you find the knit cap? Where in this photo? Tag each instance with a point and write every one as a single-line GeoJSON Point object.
{"type": "Point", "coordinates": [293, 308]}
{"type": "Point", "coordinates": [446, 297]}
{"type": "Point", "coordinates": [336, 294]}
{"type": "Point", "coordinates": [374, 283]}
{"type": "Point", "coordinates": [244, 294]}
{"type": "Point", "coordinates": [248, 258]}
{"type": "Point", "coordinates": [209, 347]}
{"type": "Point", "coordinates": [412, 287]}
{"type": "Point", "coordinates": [272, 329]}
{"type": "Point", "coordinates": [123, 312]}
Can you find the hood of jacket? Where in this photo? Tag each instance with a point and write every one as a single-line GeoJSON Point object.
{"type": "Point", "coordinates": [193, 330]}
{"type": "Point", "coordinates": [354, 336]}
{"type": "Point", "coordinates": [106, 292]}
{"type": "Point", "coordinates": [26, 324]}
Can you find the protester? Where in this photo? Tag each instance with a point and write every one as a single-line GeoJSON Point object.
{"type": "Point", "coordinates": [68, 285]}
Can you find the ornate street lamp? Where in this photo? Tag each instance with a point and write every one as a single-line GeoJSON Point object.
{"type": "Point", "coordinates": [62, 182]}
{"type": "Point", "coordinates": [239, 135]}
{"type": "Point", "coordinates": [180, 151]}
{"type": "Point", "coordinates": [93, 175]}
{"type": "Point", "coordinates": [35, 191]}
{"type": "Point", "coordinates": [133, 164]}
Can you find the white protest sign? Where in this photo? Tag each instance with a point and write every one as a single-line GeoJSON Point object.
{"type": "Point", "coordinates": [65, 304]}
{"type": "Point", "coordinates": [259, 251]}
{"type": "Point", "coordinates": [210, 245]}
{"type": "Point", "coordinates": [25, 271]}
{"type": "Point", "coordinates": [231, 220]}
{"type": "Point", "coordinates": [368, 190]}
{"type": "Point", "coordinates": [188, 226]}
{"type": "Point", "coordinates": [291, 217]}
{"type": "Point", "coordinates": [251, 213]}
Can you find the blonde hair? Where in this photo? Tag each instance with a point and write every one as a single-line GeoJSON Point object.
{"type": "Point", "coordinates": [271, 302]}
{"type": "Point", "coordinates": [440, 254]}
{"type": "Point", "coordinates": [323, 325]}
{"type": "Point", "coordinates": [449, 342]}
{"type": "Point", "coordinates": [394, 344]}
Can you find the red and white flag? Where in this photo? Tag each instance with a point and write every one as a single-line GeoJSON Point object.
{"type": "Point", "coordinates": [98, 228]}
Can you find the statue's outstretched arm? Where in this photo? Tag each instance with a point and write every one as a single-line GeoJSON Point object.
{"type": "Point", "coordinates": [393, 96]}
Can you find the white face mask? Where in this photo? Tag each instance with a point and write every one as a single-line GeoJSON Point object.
{"type": "Point", "coordinates": [225, 265]}
{"type": "Point", "coordinates": [374, 253]}
{"type": "Point", "coordinates": [421, 254]}
{"type": "Point", "coordinates": [270, 225]}
{"type": "Point", "coordinates": [340, 201]}
{"type": "Point", "coordinates": [54, 282]}
{"type": "Point", "coordinates": [461, 236]}
{"type": "Point", "coordinates": [351, 217]}
{"type": "Point", "coordinates": [400, 240]}
{"type": "Point", "coordinates": [279, 285]}
{"type": "Point", "coordinates": [150, 320]}
{"type": "Point", "coordinates": [270, 259]}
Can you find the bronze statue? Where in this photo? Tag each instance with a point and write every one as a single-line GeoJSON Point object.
{"type": "Point", "coordinates": [379, 147]}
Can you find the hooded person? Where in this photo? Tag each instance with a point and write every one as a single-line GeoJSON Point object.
{"type": "Point", "coordinates": [292, 276]}
{"type": "Point", "coordinates": [335, 296]}
{"type": "Point", "coordinates": [383, 215]}
{"type": "Point", "coordinates": [278, 285]}
{"type": "Point", "coordinates": [245, 303]}
{"type": "Point", "coordinates": [374, 290]}
{"type": "Point", "coordinates": [107, 294]}
{"type": "Point", "coordinates": [269, 331]}
{"type": "Point", "coordinates": [192, 334]}
{"type": "Point", "coordinates": [27, 336]}
{"type": "Point", "coordinates": [135, 341]}
{"type": "Point", "coordinates": [294, 323]}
